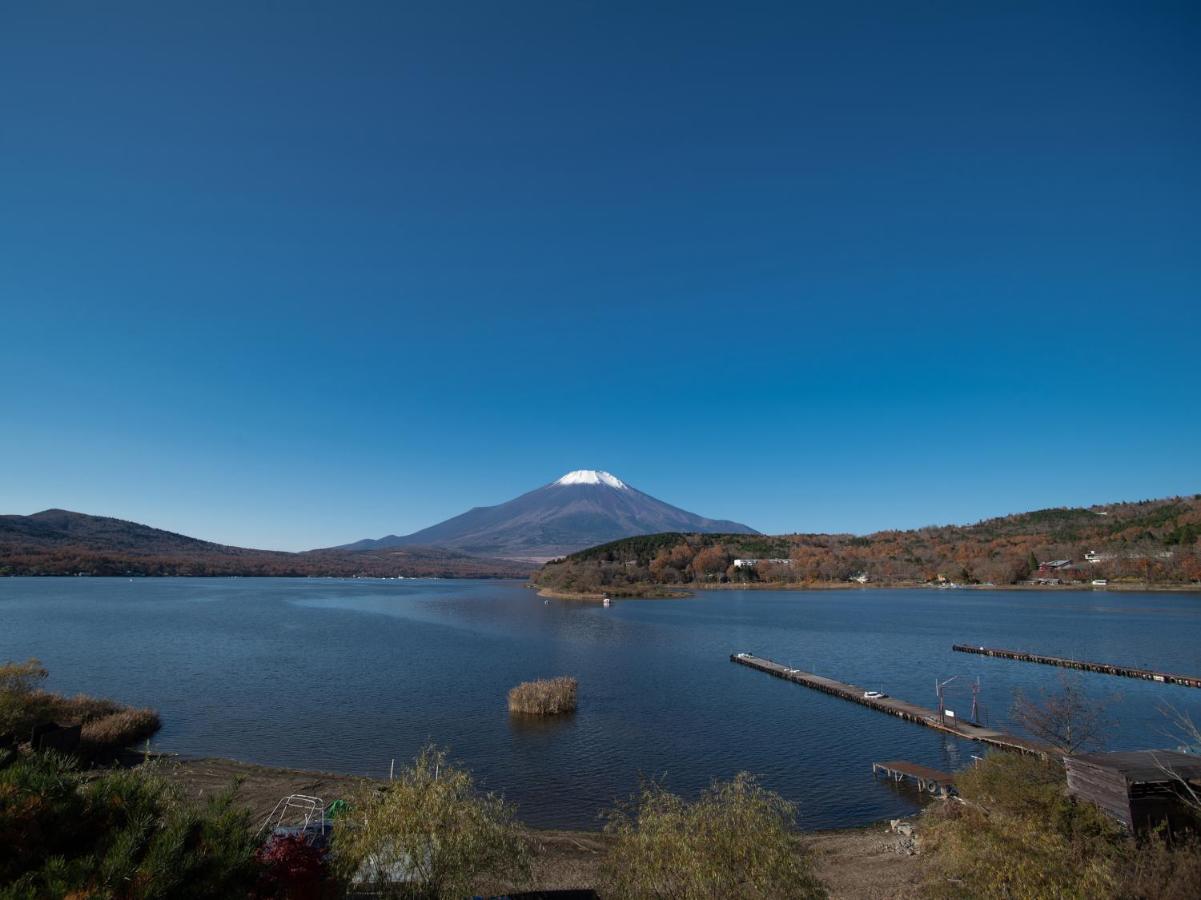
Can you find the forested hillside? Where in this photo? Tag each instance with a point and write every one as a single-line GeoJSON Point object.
{"type": "Point", "coordinates": [59, 542]}
{"type": "Point", "coordinates": [1152, 541]}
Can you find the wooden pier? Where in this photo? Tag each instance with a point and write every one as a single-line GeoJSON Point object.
{"type": "Point", "coordinates": [931, 781]}
{"type": "Point", "coordinates": [1103, 668]}
{"type": "Point", "coordinates": [910, 712]}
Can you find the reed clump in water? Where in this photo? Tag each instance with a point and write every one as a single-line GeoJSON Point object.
{"type": "Point", "coordinates": [546, 697]}
{"type": "Point", "coordinates": [123, 728]}
{"type": "Point", "coordinates": [106, 726]}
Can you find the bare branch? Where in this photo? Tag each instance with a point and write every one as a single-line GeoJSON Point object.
{"type": "Point", "coordinates": [1067, 719]}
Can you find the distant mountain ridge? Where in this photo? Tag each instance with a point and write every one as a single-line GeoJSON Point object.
{"type": "Point", "coordinates": [583, 508]}
{"type": "Point", "coordinates": [61, 542]}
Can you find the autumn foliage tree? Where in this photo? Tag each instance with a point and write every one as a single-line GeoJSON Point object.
{"type": "Point", "coordinates": [1146, 542]}
{"type": "Point", "coordinates": [710, 562]}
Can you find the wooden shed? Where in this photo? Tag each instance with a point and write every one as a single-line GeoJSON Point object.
{"type": "Point", "coordinates": [1139, 788]}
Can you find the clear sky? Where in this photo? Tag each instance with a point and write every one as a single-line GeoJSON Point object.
{"type": "Point", "coordinates": [293, 274]}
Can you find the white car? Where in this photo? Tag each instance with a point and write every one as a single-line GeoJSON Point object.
{"type": "Point", "coordinates": [874, 695]}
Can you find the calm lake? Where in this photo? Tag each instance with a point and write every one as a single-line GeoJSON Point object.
{"type": "Point", "coordinates": [347, 675]}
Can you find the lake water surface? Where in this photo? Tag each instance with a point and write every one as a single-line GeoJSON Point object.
{"type": "Point", "coordinates": [345, 675]}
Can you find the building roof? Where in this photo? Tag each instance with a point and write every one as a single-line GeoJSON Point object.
{"type": "Point", "coordinates": [1144, 765]}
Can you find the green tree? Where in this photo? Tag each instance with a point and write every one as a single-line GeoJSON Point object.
{"type": "Point", "coordinates": [430, 834]}
{"type": "Point", "coordinates": [120, 836]}
{"type": "Point", "coordinates": [737, 840]}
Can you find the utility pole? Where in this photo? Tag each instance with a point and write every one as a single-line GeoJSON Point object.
{"type": "Point", "coordinates": [942, 707]}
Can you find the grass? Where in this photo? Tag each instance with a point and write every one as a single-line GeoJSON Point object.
{"type": "Point", "coordinates": [546, 697]}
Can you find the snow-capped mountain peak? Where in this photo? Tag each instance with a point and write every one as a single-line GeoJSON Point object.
{"type": "Point", "coordinates": [582, 509]}
{"type": "Point", "coordinates": [592, 476]}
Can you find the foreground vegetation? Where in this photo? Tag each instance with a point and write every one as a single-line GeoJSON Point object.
{"type": "Point", "coordinates": [546, 697]}
{"type": "Point", "coordinates": [429, 833]}
{"type": "Point", "coordinates": [106, 726]}
{"type": "Point", "coordinates": [1151, 542]}
{"type": "Point", "coordinates": [1016, 833]}
{"type": "Point", "coordinates": [736, 840]}
{"type": "Point", "coordinates": [119, 835]}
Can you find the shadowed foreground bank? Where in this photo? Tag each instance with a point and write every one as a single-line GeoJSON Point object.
{"type": "Point", "coordinates": [867, 862]}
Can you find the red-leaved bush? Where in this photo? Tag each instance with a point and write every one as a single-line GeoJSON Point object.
{"type": "Point", "coordinates": [292, 868]}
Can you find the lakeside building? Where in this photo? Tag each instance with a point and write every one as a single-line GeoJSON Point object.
{"type": "Point", "coordinates": [751, 563]}
{"type": "Point", "coordinates": [1139, 788]}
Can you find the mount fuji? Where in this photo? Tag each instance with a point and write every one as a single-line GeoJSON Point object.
{"type": "Point", "coordinates": [582, 509]}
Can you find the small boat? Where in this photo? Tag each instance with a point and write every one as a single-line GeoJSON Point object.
{"type": "Point", "coordinates": [606, 601]}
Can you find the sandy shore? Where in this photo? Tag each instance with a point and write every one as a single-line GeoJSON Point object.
{"type": "Point", "coordinates": [854, 863]}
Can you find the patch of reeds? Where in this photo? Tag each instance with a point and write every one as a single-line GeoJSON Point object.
{"type": "Point", "coordinates": [105, 724]}
{"type": "Point", "coordinates": [120, 729]}
{"type": "Point", "coordinates": [546, 697]}
{"type": "Point", "coordinates": [83, 709]}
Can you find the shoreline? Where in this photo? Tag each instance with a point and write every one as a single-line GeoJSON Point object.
{"type": "Point", "coordinates": [856, 861]}
{"type": "Point", "coordinates": [257, 783]}
{"type": "Point", "coordinates": [588, 597]}
{"type": "Point", "coordinates": [692, 589]}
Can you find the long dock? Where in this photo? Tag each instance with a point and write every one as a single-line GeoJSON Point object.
{"type": "Point", "coordinates": [910, 712]}
{"type": "Point", "coordinates": [1065, 663]}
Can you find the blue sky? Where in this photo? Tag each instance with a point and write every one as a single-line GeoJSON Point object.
{"type": "Point", "coordinates": [289, 275]}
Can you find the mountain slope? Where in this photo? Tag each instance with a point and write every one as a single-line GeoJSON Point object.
{"type": "Point", "coordinates": [581, 509]}
{"type": "Point", "coordinates": [60, 542]}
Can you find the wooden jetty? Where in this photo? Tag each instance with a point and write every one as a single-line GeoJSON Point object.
{"type": "Point", "coordinates": [910, 712]}
{"type": "Point", "coordinates": [1103, 668]}
{"type": "Point", "coordinates": [929, 780]}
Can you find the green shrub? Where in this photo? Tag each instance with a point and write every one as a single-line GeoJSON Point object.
{"type": "Point", "coordinates": [1019, 834]}
{"type": "Point", "coordinates": [428, 834]}
{"type": "Point", "coordinates": [121, 835]}
{"type": "Point", "coordinates": [737, 840]}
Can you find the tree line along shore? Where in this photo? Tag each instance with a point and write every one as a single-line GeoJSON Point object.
{"type": "Point", "coordinates": [1150, 544]}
